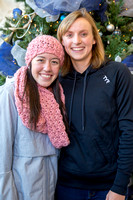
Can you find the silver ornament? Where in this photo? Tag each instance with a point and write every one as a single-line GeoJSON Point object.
{"type": "Point", "coordinates": [117, 31]}
{"type": "Point", "coordinates": [132, 40]}
{"type": "Point", "coordinates": [100, 33]}
{"type": "Point", "coordinates": [110, 27]}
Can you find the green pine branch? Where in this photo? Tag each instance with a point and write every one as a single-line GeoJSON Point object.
{"type": "Point", "coordinates": [2, 79]}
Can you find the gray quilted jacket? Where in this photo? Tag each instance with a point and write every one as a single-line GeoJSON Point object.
{"type": "Point", "coordinates": [28, 160]}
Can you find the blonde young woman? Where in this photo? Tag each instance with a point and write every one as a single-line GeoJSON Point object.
{"type": "Point", "coordinates": [33, 120]}
{"type": "Point", "coordinates": [99, 100]}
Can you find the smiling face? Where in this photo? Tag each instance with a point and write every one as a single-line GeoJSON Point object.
{"type": "Point", "coordinates": [45, 68]}
{"type": "Point", "coordinates": [78, 42]}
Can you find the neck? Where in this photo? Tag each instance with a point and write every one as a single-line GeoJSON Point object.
{"type": "Point", "coordinates": [80, 66]}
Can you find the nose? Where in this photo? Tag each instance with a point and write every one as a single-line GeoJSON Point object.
{"type": "Point", "coordinates": [47, 66]}
{"type": "Point", "coordinates": [77, 39]}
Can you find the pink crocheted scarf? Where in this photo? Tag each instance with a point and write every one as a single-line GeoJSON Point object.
{"type": "Point", "coordinates": [50, 119]}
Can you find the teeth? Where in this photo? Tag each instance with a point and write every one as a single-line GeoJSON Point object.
{"type": "Point", "coordinates": [44, 75]}
{"type": "Point", "coordinates": [77, 49]}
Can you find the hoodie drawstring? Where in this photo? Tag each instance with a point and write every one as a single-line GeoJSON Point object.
{"type": "Point", "coordinates": [83, 102]}
{"type": "Point", "coordinates": [83, 99]}
{"type": "Point", "coordinates": [70, 113]}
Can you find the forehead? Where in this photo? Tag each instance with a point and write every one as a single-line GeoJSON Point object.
{"type": "Point", "coordinates": [47, 55]}
{"type": "Point", "coordinates": [80, 24]}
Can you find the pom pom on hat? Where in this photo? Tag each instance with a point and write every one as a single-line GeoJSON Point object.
{"type": "Point", "coordinates": [44, 44]}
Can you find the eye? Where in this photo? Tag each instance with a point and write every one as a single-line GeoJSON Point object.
{"type": "Point", "coordinates": [69, 35]}
{"type": "Point", "coordinates": [40, 60]}
{"type": "Point", "coordinates": [55, 62]}
{"type": "Point", "coordinates": [84, 34]}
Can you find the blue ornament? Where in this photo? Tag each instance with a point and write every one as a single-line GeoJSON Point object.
{"type": "Point", "coordinates": [7, 66]}
{"type": "Point", "coordinates": [62, 17]}
{"type": "Point", "coordinates": [16, 12]}
{"type": "Point", "coordinates": [129, 62]}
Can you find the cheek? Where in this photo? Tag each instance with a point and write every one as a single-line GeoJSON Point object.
{"type": "Point", "coordinates": [56, 72]}
{"type": "Point", "coordinates": [67, 46]}
{"type": "Point", "coordinates": [90, 43]}
{"type": "Point", "coordinates": [36, 68]}
{"type": "Point", "coordinates": [33, 70]}
{"type": "Point", "coordinates": [65, 43]}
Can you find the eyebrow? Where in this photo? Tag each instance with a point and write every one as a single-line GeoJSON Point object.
{"type": "Point", "coordinates": [84, 30]}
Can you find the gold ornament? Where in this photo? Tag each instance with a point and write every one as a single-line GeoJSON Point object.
{"type": "Point", "coordinates": [9, 38]}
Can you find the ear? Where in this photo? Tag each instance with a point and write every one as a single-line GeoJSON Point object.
{"type": "Point", "coordinates": [94, 42]}
{"type": "Point", "coordinates": [62, 42]}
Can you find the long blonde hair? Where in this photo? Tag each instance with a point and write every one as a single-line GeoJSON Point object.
{"type": "Point", "coordinates": [98, 54]}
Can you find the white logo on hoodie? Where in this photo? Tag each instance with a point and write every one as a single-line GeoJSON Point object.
{"type": "Point", "coordinates": [105, 78]}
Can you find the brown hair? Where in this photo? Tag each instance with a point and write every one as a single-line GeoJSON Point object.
{"type": "Point", "coordinates": [34, 100]}
{"type": "Point", "coordinates": [98, 54]}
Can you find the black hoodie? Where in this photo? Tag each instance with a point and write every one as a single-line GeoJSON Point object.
{"type": "Point", "coordinates": [99, 104]}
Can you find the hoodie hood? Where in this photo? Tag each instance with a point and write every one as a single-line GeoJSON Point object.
{"type": "Point", "coordinates": [71, 75]}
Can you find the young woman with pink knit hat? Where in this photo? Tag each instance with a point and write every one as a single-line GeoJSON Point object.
{"type": "Point", "coordinates": [33, 124]}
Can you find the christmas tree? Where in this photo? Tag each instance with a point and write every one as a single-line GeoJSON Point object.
{"type": "Point", "coordinates": [113, 19]}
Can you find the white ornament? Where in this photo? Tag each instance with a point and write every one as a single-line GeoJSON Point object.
{"type": "Point", "coordinates": [118, 59]}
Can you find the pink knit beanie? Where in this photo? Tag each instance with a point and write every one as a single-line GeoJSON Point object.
{"type": "Point", "coordinates": [44, 44]}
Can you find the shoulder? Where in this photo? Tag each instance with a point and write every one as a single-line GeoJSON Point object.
{"type": "Point", "coordinates": [69, 76]}
{"type": "Point", "coordinates": [116, 70]}
{"type": "Point", "coordinates": [8, 88]}
{"type": "Point", "coordinates": [60, 77]}
{"type": "Point", "coordinates": [7, 98]}
{"type": "Point", "coordinates": [115, 66]}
